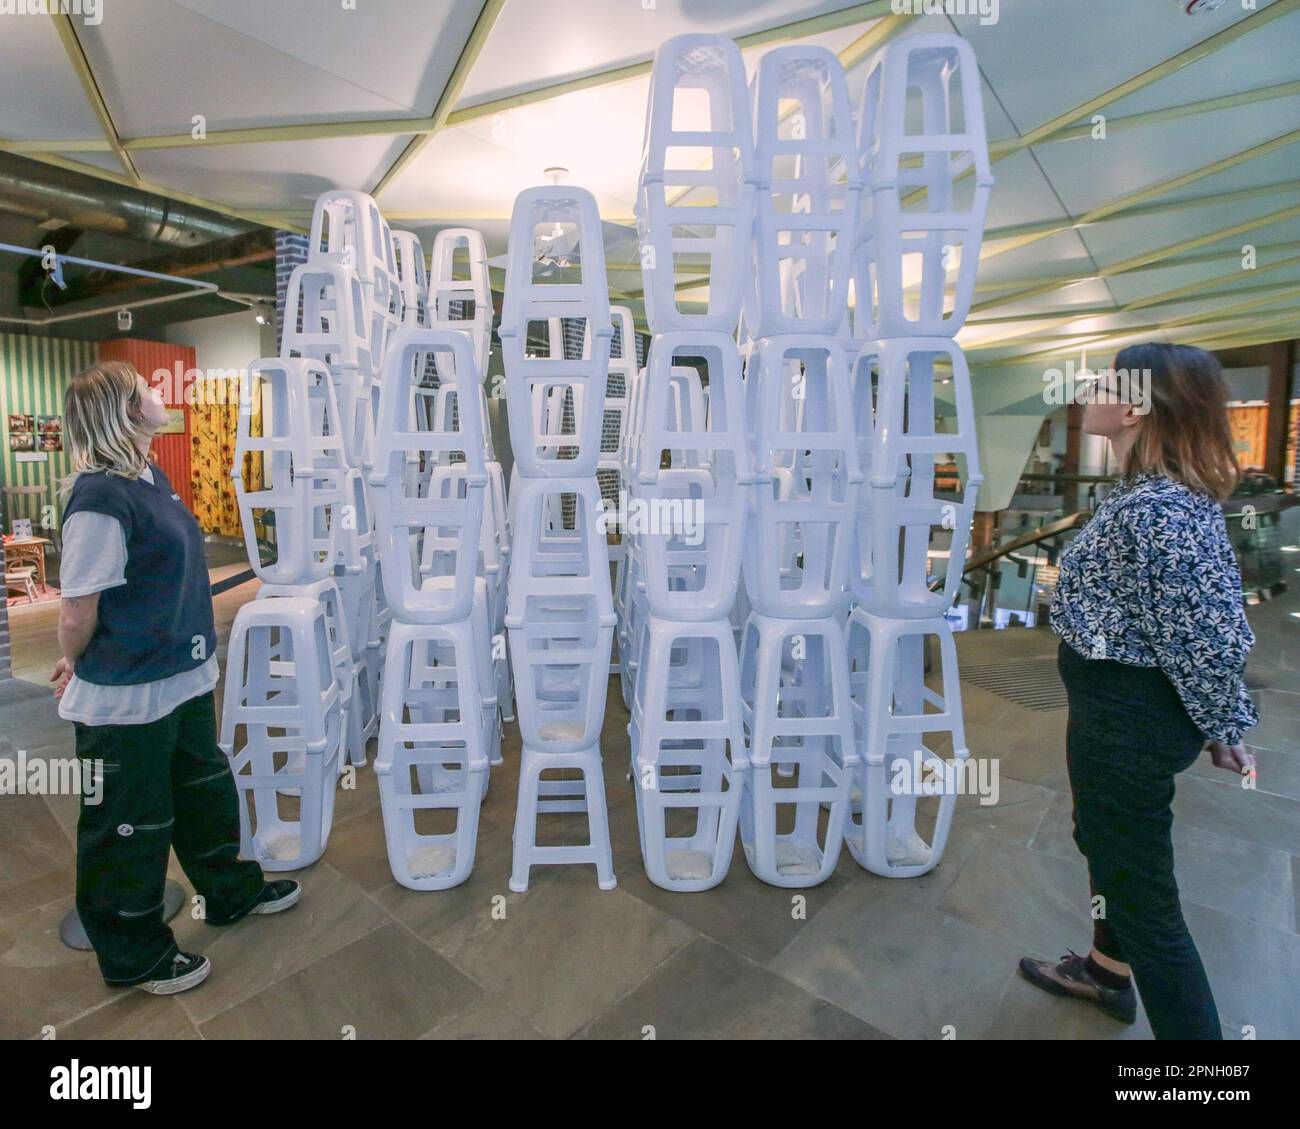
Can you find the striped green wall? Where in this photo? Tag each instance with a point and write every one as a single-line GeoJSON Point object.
{"type": "Point", "coordinates": [33, 373]}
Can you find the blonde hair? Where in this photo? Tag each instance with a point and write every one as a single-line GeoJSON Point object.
{"type": "Point", "coordinates": [101, 421]}
{"type": "Point", "coordinates": [1185, 435]}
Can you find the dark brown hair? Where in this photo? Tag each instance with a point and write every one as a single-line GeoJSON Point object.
{"type": "Point", "coordinates": [1185, 434]}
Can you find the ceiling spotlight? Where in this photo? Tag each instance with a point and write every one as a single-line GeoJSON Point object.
{"type": "Point", "coordinates": [260, 318]}
{"type": "Point", "coordinates": [1197, 7]}
{"type": "Point", "coordinates": [124, 320]}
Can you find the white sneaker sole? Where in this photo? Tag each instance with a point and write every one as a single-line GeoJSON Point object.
{"type": "Point", "coordinates": [279, 903]}
{"type": "Point", "coordinates": [179, 984]}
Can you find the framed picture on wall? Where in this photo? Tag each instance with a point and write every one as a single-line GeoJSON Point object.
{"type": "Point", "coordinates": [51, 440]}
{"type": "Point", "coordinates": [48, 425]}
{"type": "Point", "coordinates": [21, 424]}
{"type": "Point", "coordinates": [22, 440]}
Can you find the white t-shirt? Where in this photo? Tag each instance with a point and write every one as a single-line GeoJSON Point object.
{"type": "Point", "coordinates": [93, 560]}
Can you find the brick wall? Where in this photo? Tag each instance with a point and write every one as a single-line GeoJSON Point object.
{"type": "Point", "coordinates": [290, 251]}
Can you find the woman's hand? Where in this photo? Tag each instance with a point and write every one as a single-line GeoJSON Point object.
{"type": "Point", "coordinates": [1233, 758]}
{"type": "Point", "coordinates": [61, 676]}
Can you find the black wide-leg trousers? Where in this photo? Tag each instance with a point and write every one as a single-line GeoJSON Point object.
{"type": "Point", "coordinates": [166, 785]}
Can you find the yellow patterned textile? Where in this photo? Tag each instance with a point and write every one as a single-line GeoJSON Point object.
{"type": "Point", "coordinates": [214, 417]}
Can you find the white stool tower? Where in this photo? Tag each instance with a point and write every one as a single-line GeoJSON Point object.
{"type": "Point", "coordinates": [435, 727]}
{"type": "Point", "coordinates": [303, 679]}
{"type": "Point", "coordinates": [926, 206]}
{"type": "Point", "coordinates": [687, 469]}
{"type": "Point", "coordinates": [560, 615]}
{"type": "Point", "coordinates": [793, 661]}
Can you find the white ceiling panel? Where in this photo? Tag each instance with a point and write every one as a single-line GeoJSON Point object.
{"type": "Point", "coordinates": [401, 50]}
{"type": "Point", "coordinates": [31, 105]}
{"type": "Point", "coordinates": [159, 62]}
{"type": "Point", "coordinates": [1247, 64]}
{"type": "Point", "coordinates": [1089, 173]}
{"type": "Point", "coordinates": [287, 175]}
{"type": "Point", "coordinates": [1045, 57]}
{"type": "Point", "coordinates": [1122, 239]}
{"type": "Point", "coordinates": [536, 42]}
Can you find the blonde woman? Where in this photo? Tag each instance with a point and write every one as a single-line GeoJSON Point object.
{"type": "Point", "coordinates": [1153, 650]}
{"type": "Point", "coordinates": [136, 680]}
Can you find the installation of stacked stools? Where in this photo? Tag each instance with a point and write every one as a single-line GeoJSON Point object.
{"type": "Point", "coordinates": [801, 435]}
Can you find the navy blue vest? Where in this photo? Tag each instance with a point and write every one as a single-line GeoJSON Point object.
{"type": "Point", "coordinates": [159, 622]}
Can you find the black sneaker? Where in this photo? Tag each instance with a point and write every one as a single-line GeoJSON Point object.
{"type": "Point", "coordinates": [1070, 977]}
{"type": "Point", "coordinates": [275, 896]}
{"type": "Point", "coordinates": [187, 970]}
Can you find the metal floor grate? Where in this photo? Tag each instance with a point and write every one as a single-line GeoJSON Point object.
{"type": "Point", "coordinates": [1034, 684]}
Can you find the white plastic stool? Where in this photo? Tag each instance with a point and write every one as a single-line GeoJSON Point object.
{"type": "Point", "coordinates": [696, 212]}
{"type": "Point", "coordinates": [459, 278]}
{"type": "Point", "coordinates": [797, 544]}
{"type": "Point", "coordinates": [348, 229]}
{"type": "Point", "coordinates": [894, 711]}
{"type": "Point", "coordinates": [282, 729]}
{"type": "Point", "coordinates": [794, 685]}
{"type": "Point", "coordinates": [688, 752]}
{"type": "Point", "coordinates": [902, 506]}
{"type": "Point", "coordinates": [326, 593]}
{"type": "Point", "coordinates": [564, 796]}
{"type": "Point", "coordinates": [946, 163]}
{"type": "Point", "coordinates": [327, 319]}
{"type": "Point", "coordinates": [555, 405]}
{"type": "Point", "coordinates": [709, 477]}
{"type": "Point", "coordinates": [431, 754]}
{"type": "Point", "coordinates": [412, 278]}
{"type": "Point", "coordinates": [297, 453]}
{"type": "Point", "coordinates": [809, 189]}
{"type": "Point", "coordinates": [405, 513]}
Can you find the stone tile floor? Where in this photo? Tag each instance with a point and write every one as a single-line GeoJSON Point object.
{"type": "Point", "coordinates": [859, 957]}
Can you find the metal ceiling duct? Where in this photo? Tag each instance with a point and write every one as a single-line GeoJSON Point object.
{"type": "Point", "coordinates": [45, 192]}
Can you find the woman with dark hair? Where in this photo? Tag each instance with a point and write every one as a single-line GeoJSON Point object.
{"type": "Point", "coordinates": [136, 678]}
{"type": "Point", "coordinates": [1153, 648]}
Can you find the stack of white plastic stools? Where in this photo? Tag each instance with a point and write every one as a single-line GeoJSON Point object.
{"type": "Point", "coordinates": [332, 325]}
{"type": "Point", "coordinates": [460, 298]}
{"type": "Point", "coordinates": [926, 206]}
{"type": "Point", "coordinates": [794, 669]}
{"type": "Point", "coordinates": [688, 750]}
{"type": "Point", "coordinates": [432, 745]}
{"type": "Point", "coordinates": [460, 295]}
{"type": "Point", "coordinates": [793, 659]}
{"type": "Point", "coordinates": [283, 713]}
{"type": "Point", "coordinates": [560, 615]}
{"type": "Point", "coordinates": [348, 229]}
{"type": "Point", "coordinates": [688, 468]}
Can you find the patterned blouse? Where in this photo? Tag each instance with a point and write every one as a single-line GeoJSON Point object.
{"type": "Point", "coordinates": [1151, 580]}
